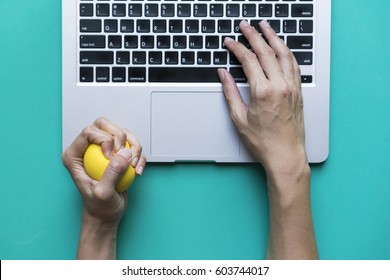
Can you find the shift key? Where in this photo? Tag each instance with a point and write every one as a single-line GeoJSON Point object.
{"type": "Point", "coordinates": [96, 57]}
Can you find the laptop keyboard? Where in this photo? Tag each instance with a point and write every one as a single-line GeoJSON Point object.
{"type": "Point", "coordinates": [123, 41]}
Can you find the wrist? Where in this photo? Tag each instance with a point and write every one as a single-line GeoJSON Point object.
{"type": "Point", "coordinates": [93, 222]}
{"type": "Point", "coordinates": [97, 239]}
{"type": "Point", "coordinates": [289, 185]}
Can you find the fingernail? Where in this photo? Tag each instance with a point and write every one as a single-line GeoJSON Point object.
{"type": "Point", "coordinates": [221, 74]}
{"type": "Point", "coordinates": [245, 23]}
{"type": "Point", "coordinates": [140, 170]}
{"type": "Point", "coordinates": [134, 161]}
{"type": "Point", "coordinates": [265, 23]}
{"type": "Point", "coordinates": [126, 153]}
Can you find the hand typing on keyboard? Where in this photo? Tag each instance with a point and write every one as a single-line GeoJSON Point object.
{"type": "Point", "coordinates": [272, 127]}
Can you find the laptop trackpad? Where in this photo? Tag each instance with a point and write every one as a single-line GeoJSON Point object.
{"type": "Point", "coordinates": [191, 126]}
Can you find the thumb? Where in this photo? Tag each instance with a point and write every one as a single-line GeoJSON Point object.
{"type": "Point", "coordinates": [115, 169]}
{"type": "Point", "coordinates": [237, 107]}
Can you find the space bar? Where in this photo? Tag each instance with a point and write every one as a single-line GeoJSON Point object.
{"type": "Point", "coordinates": [183, 75]}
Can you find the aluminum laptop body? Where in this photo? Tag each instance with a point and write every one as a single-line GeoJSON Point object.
{"type": "Point", "coordinates": [120, 57]}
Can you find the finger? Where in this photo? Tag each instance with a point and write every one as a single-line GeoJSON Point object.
{"type": "Point", "coordinates": [250, 63]}
{"type": "Point", "coordinates": [135, 147]}
{"type": "Point", "coordinates": [114, 172]}
{"type": "Point", "coordinates": [72, 158]}
{"type": "Point", "coordinates": [89, 134]}
{"type": "Point", "coordinates": [140, 167]}
{"type": "Point", "coordinates": [263, 51]}
{"type": "Point", "coordinates": [283, 54]}
{"type": "Point", "coordinates": [236, 105]}
{"type": "Point", "coordinates": [117, 133]}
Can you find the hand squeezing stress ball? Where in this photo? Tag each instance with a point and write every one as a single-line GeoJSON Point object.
{"type": "Point", "coordinates": [95, 163]}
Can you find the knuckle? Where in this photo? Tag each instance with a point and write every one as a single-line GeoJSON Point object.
{"type": "Point", "coordinates": [285, 52]}
{"type": "Point", "coordinates": [65, 158]}
{"type": "Point", "coordinates": [87, 131]}
{"type": "Point", "coordinates": [263, 92]}
{"type": "Point", "coordinates": [117, 165]}
{"type": "Point", "coordinates": [99, 121]}
{"type": "Point", "coordinates": [249, 56]}
{"type": "Point", "coordinates": [122, 137]}
{"type": "Point", "coordinates": [267, 51]}
{"type": "Point", "coordinates": [285, 90]}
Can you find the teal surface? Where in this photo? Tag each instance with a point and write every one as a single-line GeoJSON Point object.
{"type": "Point", "coordinates": [194, 211]}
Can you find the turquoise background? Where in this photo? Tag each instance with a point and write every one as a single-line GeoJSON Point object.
{"type": "Point", "coordinates": [194, 211]}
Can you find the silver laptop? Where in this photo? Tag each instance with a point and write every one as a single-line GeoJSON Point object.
{"type": "Point", "coordinates": [151, 66]}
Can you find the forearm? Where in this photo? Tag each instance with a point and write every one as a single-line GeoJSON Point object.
{"type": "Point", "coordinates": [291, 233]}
{"type": "Point", "coordinates": [97, 240]}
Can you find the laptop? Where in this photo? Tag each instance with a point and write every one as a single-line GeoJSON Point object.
{"type": "Point", "coordinates": [151, 66]}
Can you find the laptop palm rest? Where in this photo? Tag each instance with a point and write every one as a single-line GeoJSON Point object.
{"type": "Point", "coordinates": [191, 126]}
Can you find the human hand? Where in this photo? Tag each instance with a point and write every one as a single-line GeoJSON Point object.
{"type": "Point", "coordinates": [271, 124]}
{"type": "Point", "coordinates": [102, 203]}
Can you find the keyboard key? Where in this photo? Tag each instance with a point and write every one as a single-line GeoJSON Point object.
{"type": "Point", "coordinates": [238, 74]}
{"type": "Point", "coordinates": [204, 58]}
{"type": "Point", "coordinates": [212, 42]}
{"type": "Point", "coordinates": [302, 10]}
{"type": "Point", "coordinates": [179, 42]}
{"type": "Point", "coordinates": [114, 42]}
{"type": "Point", "coordinates": [137, 74]}
{"type": "Point", "coordinates": [183, 10]}
{"type": "Point", "coordinates": [96, 57]}
{"type": "Point", "coordinates": [300, 42]}
{"type": "Point", "coordinates": [119, 10]}
{"type": "Point", "coordinates": [135, 10]}
{"type": "Point", "coordinates": [289, 26]}
{"type": "Point", "coordinates": [131, 42]}
{"type": "Point", "coordinates": [155, 58]}
{"type": "Point", "coordinates": [139, 57]}
{"type": "Point", "coordinates": [122, 58]}
{"type": "Point", "coordinates": [147, 42]}
{"type": "Point", "coordinates": [163, 42]}
{"type": "Point", "coordinates": [90, 25]}
{"type": "Point", "coordinates": [86, 10]}
{"type": "Point", "coordinates": [151, 10]}
{"type": "Point", "coordinates": [208, 26]}
{"type": "Point", "coordinates": [304, 58]}
{"type": "Point", "coordinates": [281, 10]}
{"type": "Point", "coordinates": [216, 10]}
{"type": "Point", "coordinates": [102, 10]}
{"type": "Point", "coordinates": [191, 26]}
{"type": "Point", "coordinates": [167, 10]}
{"type": "Point", "coordinates": [220, 58]}
{"type": "Point", "coordinates": [200, 10]}
{"type": "Point", "coordinates": [306, 79]}
{"type": "Point", "coordinates": [86, 74]}
{"type": "Point", "coordinates": [127, 26]}
{"type": "Point", "coordinates": [195, 42]}
{"type": "Point", "coordinates": [175, 26]}
{"type": "Point", "coordinates": [265, 10]}
{"type": "Point", "coordinates": [102, 74]}
{"type": "Point", "coordinates": [118, 74]}
{"type": "Point", "coordinates": [306, 26]}
{"type": "Point", "coordinates": [110, 25]}
{"type": "Point", "coordinates": [187, 58]}
{"type": "Point", "coordinates": [143, 26]}
{"type": "Point", "coordinates": [159, 26]}
{"type": "Point", "coordinates": [171, 58]}
{"type": "Point", "coordinates": [183, 74]}
{"type": "Point", "coordinates": [92, 41]}
{"type": "Point", "coordinates": [224, 26]}
{"type": "Point", "coordinates": [249, 10]}
{"type": "Point", "coordinates": [232, 10]}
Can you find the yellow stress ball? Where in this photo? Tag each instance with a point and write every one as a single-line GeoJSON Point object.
{"type": "Point", "coordinates": [95, 163]}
